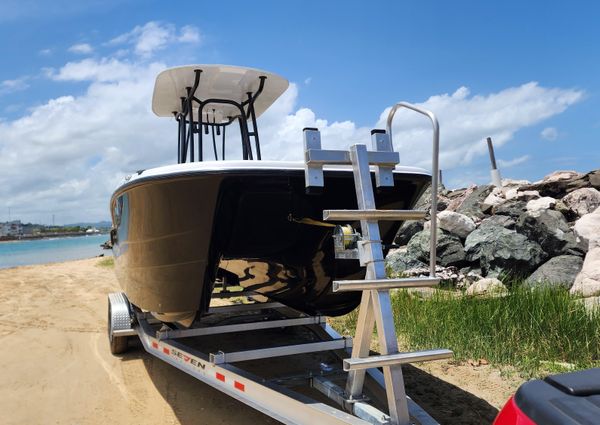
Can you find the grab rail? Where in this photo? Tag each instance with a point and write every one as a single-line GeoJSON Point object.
{"type": "Point", "coordinates": [434, 172]}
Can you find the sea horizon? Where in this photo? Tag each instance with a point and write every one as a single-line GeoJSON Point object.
{"type": "Point", "coordinates": [51, 250]}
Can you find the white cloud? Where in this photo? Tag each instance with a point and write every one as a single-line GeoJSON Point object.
{"type": "Point", "coordinates": [81, 48]}
{"type": "Point", "coordinates": [512, 162]}
{"type": "Point", "coordinates": [549, 133]}
{"type": "Point", "coordinates": [106, 69]}
{"type": "Point", "coordinates": [45, 52]}
{"type": "Point", "coordinates": [189, 34]}
{"type": "Point", "coordinates": [307, 81]}
{"type": "Point", "coordinates": [10, 86]}
{"type": "Point", "coordinates": [154, 36]}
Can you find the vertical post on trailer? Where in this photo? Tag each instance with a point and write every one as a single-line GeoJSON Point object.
{"type": "Point", "coordinates": [495, 173]}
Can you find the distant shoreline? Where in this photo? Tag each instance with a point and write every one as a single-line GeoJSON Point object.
{"type": "Point", "coordinates": [47, 236]}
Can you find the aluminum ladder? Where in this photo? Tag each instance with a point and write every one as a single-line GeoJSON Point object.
{"type": "Point", "coordinates": [375, 306]}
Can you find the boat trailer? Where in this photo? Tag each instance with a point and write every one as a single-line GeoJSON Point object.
{"type": "Point", "coordinates": [292, 366]}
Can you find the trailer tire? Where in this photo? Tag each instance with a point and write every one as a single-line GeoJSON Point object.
{"type": "Point", "coordinates": [118, 344]}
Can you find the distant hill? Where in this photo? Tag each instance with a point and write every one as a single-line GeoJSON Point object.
{"type": "Point", "coordinates": [97, 225]}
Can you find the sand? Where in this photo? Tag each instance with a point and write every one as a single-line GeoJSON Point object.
{"type": "Point", "coordinates": [57, 367]}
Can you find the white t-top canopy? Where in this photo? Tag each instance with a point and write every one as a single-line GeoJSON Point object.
{"type": "Point", "coordinates": [216, 82]}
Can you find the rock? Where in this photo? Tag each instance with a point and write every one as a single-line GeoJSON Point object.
{"type": "Point", "coordinates": [400, 261]}
{"type": "Point", "coordinates": [591, 304]}
{"type": "Point", "coordinates": [560, 183]}
{"type": "Point", "coordinates": [569, 214]}
{"type": "Point", "coordinates": [557, 176]}
{"type": "Point", "coordinates": [588, 226]}
{"type": "Point", "coordinates": [544, 203]}
{"type": "Point", "coordinates": [550, 229]}
{"type": "Point", "coordinates": [424, 201]}
{"type": "Point", "coordinates": [495, 198]}
{"type": "Point", "coordinates": [557, 271]}
{"type": "Point", "coordinates": [407, 231]}
{"type": "Point", "coordinates": [449, 251]}
{"type": "Point", "coordinates": [499, 220]}
{"type": "Point", "coordinates": [487, 286]}
{"type": "Point", "coordinates": [583, 201]}
{"type": "Point", "coordinates": [500, 250]}
{"type": "Point", "coordinates": [458, 197]}
{"type": "Point", "coordinates": [471, 205]}
{"type": "Point", "coordinates": [587, 282]}
{"type": "Point", "coordinates": [513, 208]}
{"type": "Point", "coordinates": [456, 223]}
{"type": "Point", "coordinates": [527, 195]}
{"type": "Point", "coordinates": [511, 193]}
{"type": "Point", "coordinates": [511, 183]}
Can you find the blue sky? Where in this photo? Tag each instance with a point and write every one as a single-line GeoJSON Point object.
{"type": "Point", "coordinates": [73, 75]}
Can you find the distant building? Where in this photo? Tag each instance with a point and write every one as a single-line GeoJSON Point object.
{"type": "Point", "coordinates": [11, 228]}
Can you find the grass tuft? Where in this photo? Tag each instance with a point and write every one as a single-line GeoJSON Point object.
{"type": "Point", "coordinates": [106, 262]}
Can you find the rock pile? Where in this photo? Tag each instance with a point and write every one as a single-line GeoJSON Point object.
{"type": "Point", "coordinates": [547, 233]}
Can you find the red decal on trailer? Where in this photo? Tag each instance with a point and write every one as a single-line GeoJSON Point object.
{"type": "Point", "coordinates": [166, 350]}
{"type": "Point", "coordinates": [155, 345]}
{"type": "Point", "coordinates": [220, 376]}
{"type": "Point", "coordinates": [239, 386]}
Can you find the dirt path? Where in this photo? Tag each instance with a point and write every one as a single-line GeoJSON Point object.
{"type": "Point", "coordinates": [57, 368]}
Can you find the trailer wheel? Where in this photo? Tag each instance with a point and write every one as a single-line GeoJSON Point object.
{"type": "Point", "coordinates": [119, 318]}
{"type": "Point", "coordinates": [118, 344]}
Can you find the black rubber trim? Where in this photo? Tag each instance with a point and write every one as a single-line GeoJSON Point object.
{"type": "Point", "coordinates": [582, 383]}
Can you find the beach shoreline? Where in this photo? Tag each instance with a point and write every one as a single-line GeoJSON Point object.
{"type": "Point", "coordinates": [57, 366]}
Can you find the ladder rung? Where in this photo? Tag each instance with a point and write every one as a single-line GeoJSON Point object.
{"type": "Point", "coordinates": [392, 215]}
{"type": "Point", "coordinates": [326, 156]}
{"type": "Point", "coordinates": [369, 284]}
{"type": "Point", "coordinates": [394, 359]}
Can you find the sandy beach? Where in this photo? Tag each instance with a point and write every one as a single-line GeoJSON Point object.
{"type": "Point", "coordinates": [57, 367]}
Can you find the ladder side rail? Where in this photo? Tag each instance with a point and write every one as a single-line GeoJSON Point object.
{"type": "Point", "coordinates": [435, 173]}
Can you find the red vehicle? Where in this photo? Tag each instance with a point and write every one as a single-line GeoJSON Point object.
{"type": "Point", "coordinates": [566, 399]}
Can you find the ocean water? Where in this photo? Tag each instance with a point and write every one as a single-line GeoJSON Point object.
{"type": "Point", "coordinates": [39, 251]}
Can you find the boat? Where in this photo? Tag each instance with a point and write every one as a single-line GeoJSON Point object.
{"type": "Point", "coordinates": [180, 231]}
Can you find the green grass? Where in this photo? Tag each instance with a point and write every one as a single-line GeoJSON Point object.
{"type": "Point", "coordinates": [534, 331]}
{"type": "Point", "coordinates": [106, 262]}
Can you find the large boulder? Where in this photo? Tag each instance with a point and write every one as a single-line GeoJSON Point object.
{"type": "Point", "coordinates": [558, 271]}
{"type": "Point", "coordinates": [544, 203]}
{"type": "Point", "coordinates": [588, 226]}
{"type": "Point", "coordinates": [399, 261]}
{"type": "Point", "coordinates": [499, 220]}
{"type": "Point", "coordinates": [407, 231]}
{"type": "Point", "coordinates": [450, 251]}
{"type": "Point", "coordinates": [550, 229]}
{"type": "Point", "coordinates": [456, 223]}
{"type": "Point", "coordinates": [587, 282]}
{"type": "Point", "coordinates": [583, 201]}
{"type": "Point", "coordinates": [511, 208]}
{"type": "Point", "coordinates": [559, 183]}
{"type": "Point", "coordinates": [471, 205]}
{"type": "Point", "coordinates": [503, 251]}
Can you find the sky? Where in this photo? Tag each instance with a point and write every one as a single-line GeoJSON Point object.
{"type": "Point", "coordinates": [76, 81]}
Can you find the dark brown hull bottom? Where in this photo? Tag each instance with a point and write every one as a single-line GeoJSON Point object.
{"type": "Point", "coordinates": [177, 234]}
